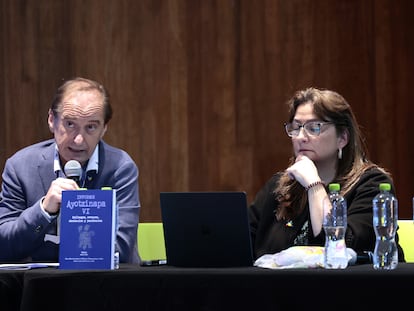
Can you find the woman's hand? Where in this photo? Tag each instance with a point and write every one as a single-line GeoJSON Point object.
{"type": "Point", "coordinates": [304, 171]}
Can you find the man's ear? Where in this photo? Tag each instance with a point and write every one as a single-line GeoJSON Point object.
{"type": "Point", "coordinates": [51, 120]}
{"type": "Point", "coordinates": [104, 130]}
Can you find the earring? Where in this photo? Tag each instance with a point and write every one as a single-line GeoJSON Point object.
{"type": "Point", "coordinates": [340, 153]}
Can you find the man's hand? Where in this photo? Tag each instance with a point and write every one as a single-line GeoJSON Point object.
{"type": "Point", "coordinates": [53, 198]}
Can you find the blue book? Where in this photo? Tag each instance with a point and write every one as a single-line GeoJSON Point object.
{"type": "Point", "coordinates": [87, 229]}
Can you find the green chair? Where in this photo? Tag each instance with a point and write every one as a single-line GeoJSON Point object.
{"type": "Point", "coordinates": [406, 238]}
{"type": "Point", "coordinates": [151, 244]}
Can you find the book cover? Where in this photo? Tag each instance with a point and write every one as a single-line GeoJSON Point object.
{"type": "Point", "coordinates": [87, 229]}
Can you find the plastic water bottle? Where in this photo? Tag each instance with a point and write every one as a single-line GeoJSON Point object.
{"type": "Point", "coordinates": [385, 221]}
{"type": "Point", "coordinates": [334, 224]}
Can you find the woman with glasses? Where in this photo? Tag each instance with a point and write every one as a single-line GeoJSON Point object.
{"type": "Point", "coordinates": [327, 147]}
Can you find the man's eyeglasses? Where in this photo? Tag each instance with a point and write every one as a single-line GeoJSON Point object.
{"type": "Point", "coordinates": [312, 128]}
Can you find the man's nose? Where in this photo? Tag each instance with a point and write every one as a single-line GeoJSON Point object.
{"type": "Point", "coordinates": [78, 138]}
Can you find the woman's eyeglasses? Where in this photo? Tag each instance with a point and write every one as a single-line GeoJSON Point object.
{"type": "Point", "coordinates": [312, 128]}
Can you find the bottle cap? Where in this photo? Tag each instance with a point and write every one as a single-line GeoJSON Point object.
{"type": "Point", "coordinates": [334, 187]}
{"type": "Point", "coordinates": [384, 187]}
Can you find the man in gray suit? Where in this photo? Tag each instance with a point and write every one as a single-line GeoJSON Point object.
{"type": "Point", "coordinates": [34, 177]}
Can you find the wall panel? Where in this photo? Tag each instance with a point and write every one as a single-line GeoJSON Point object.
{"type": "Point", "coordinates": [199, 87]}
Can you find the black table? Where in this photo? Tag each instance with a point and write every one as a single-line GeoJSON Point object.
{"type": "Point", "coordinates": [170, 288]}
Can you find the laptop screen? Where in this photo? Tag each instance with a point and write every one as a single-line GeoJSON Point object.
{"type": "Point", "coordinates": [206, 229]}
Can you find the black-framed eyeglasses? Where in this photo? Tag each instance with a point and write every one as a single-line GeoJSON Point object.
{"type": "Point", "coordinates": [312, 128]}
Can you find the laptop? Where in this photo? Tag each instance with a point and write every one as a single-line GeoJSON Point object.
{"type": "Point", "coordinates": [206, 229]}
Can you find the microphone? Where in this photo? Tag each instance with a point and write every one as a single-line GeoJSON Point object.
{"type": "Point", "coordinates": [73, 170]}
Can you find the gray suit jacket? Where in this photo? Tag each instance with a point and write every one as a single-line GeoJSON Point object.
{"type": "Point", "coordinates": [26, 178]}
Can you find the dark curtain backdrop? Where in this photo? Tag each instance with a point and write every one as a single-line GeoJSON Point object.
{"type": "Point", "coordinates": [199, 86]}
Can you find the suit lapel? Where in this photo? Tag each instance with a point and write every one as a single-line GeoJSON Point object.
{"type": "Point", "coordinates": [45, 166]}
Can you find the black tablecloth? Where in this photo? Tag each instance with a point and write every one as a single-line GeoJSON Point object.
{"type": "Point", "coordinates": [171, 288]}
